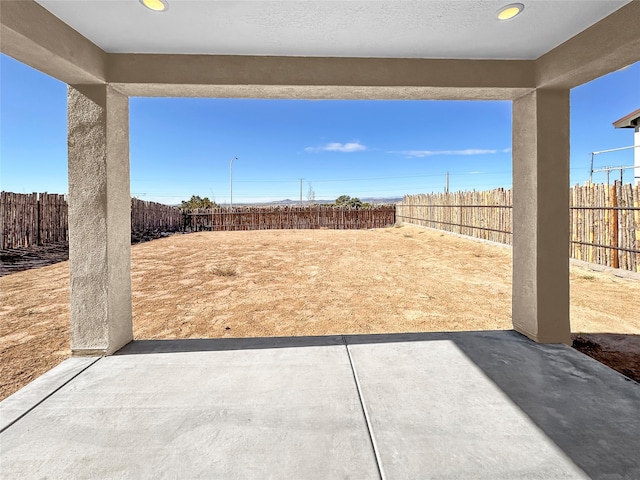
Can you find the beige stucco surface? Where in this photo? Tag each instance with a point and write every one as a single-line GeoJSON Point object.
{"type": "Point", "coordinates": [320, 92]}
{"type": "Point", "coordinates": [540, 296]}
{"type": "Point", "coordinates": [99, 220]}
{"type": "Point", "coordinates": [607, 46]}
{"type": "Point", "coordinates": [321, 77]}
{"type": "Point", "coordinates": [29, 33]}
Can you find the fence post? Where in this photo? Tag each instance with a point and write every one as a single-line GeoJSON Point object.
{"type": "Point", "coordinates": [615, 258]}
{"type": "Point", "coordinates": [38, 219]}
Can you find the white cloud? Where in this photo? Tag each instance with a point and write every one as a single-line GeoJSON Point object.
{"type": "Point", "coordinates": [338, 147]}
{"type": "Point", "coordinates": [506, 150]}
{"type": "Point", "coordinates": [431, 153]}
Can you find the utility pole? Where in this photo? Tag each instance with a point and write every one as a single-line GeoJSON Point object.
{"type": "Point", "coordinates": [593, 154]}
{"type": "Point", "coordinates": [446, 189]}
{"type": "Point", "coordinates": [231, 182]}
{"type": "Point", "coordinates": [301, 191]}
{"type": "Point", "coordinates": [608, 170]}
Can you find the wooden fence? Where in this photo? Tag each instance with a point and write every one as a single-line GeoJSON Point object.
{"type": "Point", "coordinates": [41, 218]}
{"type": "Point", "coordinates": [605, 225]}
{"type": "Point", "coordinates": [32, 219]}
{"type": "Point", "coordinates": [290, 217]}
{"type": "Point", "coordinates": [484, 215]}
{"type": "Point", "coordinates": [604, 219]}
{"type": "Point", "coordinates": [152, 216]}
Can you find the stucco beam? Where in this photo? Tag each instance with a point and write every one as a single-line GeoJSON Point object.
{"type": "Point", "coordinates": [606, 46]}
{"type": "Point", "coordinates": [319, 92]}
{"type": "Point", "coordinates": [319, 77]}
{"type": "Point", "coordinates": [32, 35]}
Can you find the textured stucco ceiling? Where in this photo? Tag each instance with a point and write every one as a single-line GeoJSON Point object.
{"type": "Point", "coordinates": [386, 28]}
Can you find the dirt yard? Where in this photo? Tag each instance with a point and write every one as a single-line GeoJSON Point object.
{"type": "Point", "coordinates": [299, 282]}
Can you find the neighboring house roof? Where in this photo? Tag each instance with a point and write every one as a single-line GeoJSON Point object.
{"type": "Point", "coordinates": [628, 121]}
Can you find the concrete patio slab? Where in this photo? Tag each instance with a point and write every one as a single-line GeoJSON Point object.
{"type": "Point", "coordinates": [242, 413]}
{"type": "Point", "coordinates": [469, 405]}
{"type": "Point", "coordinates": [434, 412]}
{"type": "Point", "coordinates": [18, 404]}
{"type": "Point", "coordinates": [495, 405]}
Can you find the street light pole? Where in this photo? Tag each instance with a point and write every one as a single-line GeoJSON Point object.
{"type": "Point", "coordinates": [301, 191]}
{"type": "Point", "coordinates": [231, 182]}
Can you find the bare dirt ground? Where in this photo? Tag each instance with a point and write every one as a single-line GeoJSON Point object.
{"type": "Point", "coordinates": [303, 282]}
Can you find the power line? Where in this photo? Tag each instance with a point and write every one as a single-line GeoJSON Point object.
{"type": "Point", "coordinates": [356, 179]}
{"type": "Point", "coordinates": [472, 180]}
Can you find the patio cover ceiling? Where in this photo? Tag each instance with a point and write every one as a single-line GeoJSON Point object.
{"type": "Point", "coordinates": [381, 28]}
{"type": "Point", "coordinates": [319, 49]}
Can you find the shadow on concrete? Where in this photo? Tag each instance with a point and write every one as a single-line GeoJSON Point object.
{"type": "Point", "coordinates": [139, 347]}
{"type": "Point", "coordinates": [589, 411]}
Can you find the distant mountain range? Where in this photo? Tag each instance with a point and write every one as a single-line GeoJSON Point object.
{"type": "Point", "coordinates": [288, 201]}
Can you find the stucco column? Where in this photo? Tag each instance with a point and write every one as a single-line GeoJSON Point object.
{"type": "Point", "coordinates": [99, 220]}
{"type": "Point", "coordinates": [540, 295]}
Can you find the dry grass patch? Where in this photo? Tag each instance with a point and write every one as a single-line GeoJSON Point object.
{"type": "Point", "coordinates": [223, 270]}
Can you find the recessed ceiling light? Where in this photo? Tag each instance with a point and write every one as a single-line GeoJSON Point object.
{"type": "Point", "coordinates": [510, 11]}
{"type": "Point", "coordinates": [156, 5]}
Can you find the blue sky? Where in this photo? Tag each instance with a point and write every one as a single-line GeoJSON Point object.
{"type": "Point", "coordinates": [182, 147]}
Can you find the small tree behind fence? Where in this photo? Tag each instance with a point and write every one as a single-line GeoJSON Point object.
{"type": "Point", "coordinates": [604, 219]}
{"type": "Point", "coordinates": [290, 217]}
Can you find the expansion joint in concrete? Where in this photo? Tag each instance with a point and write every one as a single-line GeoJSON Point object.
{"type": "Point", "coordinates": [36, 405]}
{"type": "Point", "coordinates": [365, 411]}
